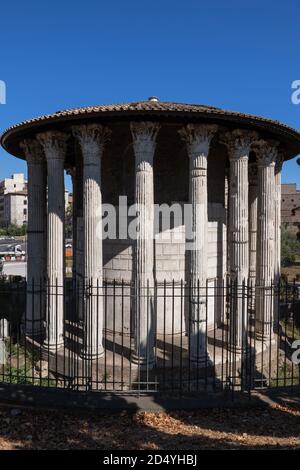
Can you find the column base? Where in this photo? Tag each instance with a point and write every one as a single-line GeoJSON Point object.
{"type": "Point", "coordinates": [263, 338]}
{"type": "Point", "coordinates": [234, 348]}
{"type": "Point", "coordinates": [142, 362]}
{"type": "Point", "coordinates": [201, 361]}
{"type": "Point", "coordinates": [91, 356]}
{"type": "Point", "coordinates": [52, 347]}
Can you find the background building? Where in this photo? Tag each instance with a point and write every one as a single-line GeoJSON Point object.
{"type": "Point", "coordinates": [13, 200]}
{"type": "Point", "coordinates": [15, 208]}
{"type": "Point", "coordinates": [290, 206]}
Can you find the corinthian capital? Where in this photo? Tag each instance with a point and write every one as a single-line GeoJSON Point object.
{"type": "Point", "coordinates": [239, 142]}
{"type": "Point", "coordinates": [144, 136]}
{"type": "Point", "coordinates": [198, 137]}
{"type": "Point", "coordinates": [33, 151]}
{"type": "Point", "coordinates": [266, 152]}
{"type": "Point", "coordinates": [91, 136]}
{"type": "Point", "coordinates": [54, 144]}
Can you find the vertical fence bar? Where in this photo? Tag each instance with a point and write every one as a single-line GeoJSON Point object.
{"type": "Point", "coordinates": [172, 330]}
{"type": "Point", "coordinates": [164, 337]}
{"type": "Point", "coordinates": [223, 313]}
{"type": "Point", "coordinates": [206, 334]}
{"type": "Point", "coordinates": [293, 332]}
{"type": "Point", "coordinates": [114, 335]}
{"type": "Point", "coordinates": [197, 329]}
{"type": "Point", "coordinates": [217, 303]}
{"type": "Point", "coordinates": [156, 361]}
{"type": "Point", "coordinates": [97, 336]}
{"type": "Point", "coordinates": [181, 335]}
{"type": "Point", "coordinates": [189, 319]}
{"type": "Point", "coordinates": [105, 337]}
{"type": "Point", "coordinates": [122, 334]}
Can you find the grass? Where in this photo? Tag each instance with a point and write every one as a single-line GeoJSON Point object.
{"type": "Point", "coordinates": [24, 376]}
{"type": "Point", "coordinates": [288, 375]}
{"type": "Point", "coordinates": [23, 372]}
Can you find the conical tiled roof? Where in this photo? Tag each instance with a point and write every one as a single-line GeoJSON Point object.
{"type": "Point", "coordinates": [152, 109]}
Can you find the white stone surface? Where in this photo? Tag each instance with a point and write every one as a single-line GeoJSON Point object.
{"type": "Point", "coordinates": [238, 143]}
{"type": "Point", "coordinates": [36, 237]}
{"type": "Point", "coordinates": [266, 154]}
{"type": "Point", "coordinates": [253, 192]}
{"type": "Point", "coordinates": [54, 145]}
{"type": "Point", "coordinates": [92, 138]}
{"type": "Point", "coordinates": [169, 268]}
{"type": "Point", "coordinates": [198, 138]}
{"type": "Point", "coordinates": [144, 141]}
{"type": "Point", "coordinates": [277, 260]}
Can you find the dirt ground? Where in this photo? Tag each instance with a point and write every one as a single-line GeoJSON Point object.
{"type": "Point", "coordinates": [291, 271]}
{"type": "Point", "coordinates": [277, 427]}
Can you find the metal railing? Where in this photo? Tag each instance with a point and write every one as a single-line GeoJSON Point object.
{"type": "Point", "coordinates": [171, 337]}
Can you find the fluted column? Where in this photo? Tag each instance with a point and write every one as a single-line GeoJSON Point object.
{"type": "Point", "coordinates": [277, 261]}
{"type": "Point", "coordinates": [238, 144]}
{"type": "Point", "coordinates": [277, 253]}
{"type": "Point", "coordinates": [54, 145]}
{"type": "Point", "coordinates": [253, 192]}
{"type": "Point", "coordinates": [198, 138]}
{"type": "Point", "coordinates": [144, 142]}
{"type": "Point", "coordinates": [36, 238]}
{"type": "Point", "coordinates": [266, 153]}
{"type": "Point", "coordinates": [92, 138]}
{"type": "Point", "coordinates": [226, 207]}
{"type": "Point", "coordinates": [79, 255]}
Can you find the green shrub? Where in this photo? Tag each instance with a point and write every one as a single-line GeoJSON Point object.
{"type": "Point", "coordinates": [290, 247]}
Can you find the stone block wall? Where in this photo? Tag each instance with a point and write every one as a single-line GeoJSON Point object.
{"type": "Point", "coordinates": [171, 267]}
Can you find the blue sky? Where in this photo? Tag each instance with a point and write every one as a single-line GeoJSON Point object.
{"type": "Point", "coordinates": [237, 55]}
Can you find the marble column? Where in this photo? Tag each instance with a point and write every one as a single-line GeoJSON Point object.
{"type": "Point", "coordinates": [36, 238]}
{"type": "Point", "coordinates": [238, 143]}
{"type": "Point", "coordinates": [277, 253]}
{"type": "Point", "coordinates": [92, 139]}
{"type": "Point", "coordinates": [54, 145]}
{"type": "Point", "coordinates": [198, 138]}
{"type": "Point", "coordinates": [144, 141]}
{"type": "Point", "coordinates": [79, 254]}
{"type": "Point", "coordinates": [226, 207]}
{"type": "Point", "coordinates": [277, 261]}
{"type": "Point", "coordinates": [266, 153]}
{"type": "Point", "coordinates": [253, 193]}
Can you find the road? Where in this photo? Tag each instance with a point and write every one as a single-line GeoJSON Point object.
{"type": "Point", "coordinates": [8, 244]}
{"type": "Point", "coordinates": [15, 268]}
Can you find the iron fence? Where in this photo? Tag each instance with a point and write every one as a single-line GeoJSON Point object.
{"type": "Point", "coordinates": [170, 337]}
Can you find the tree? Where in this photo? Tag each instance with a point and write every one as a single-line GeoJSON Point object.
{"type": "Point", "coordinates": [13, 231]}
{"type": "Point", "coordinates": [290, 247]}
{"type": "Point", "coordinates": [69, 221]}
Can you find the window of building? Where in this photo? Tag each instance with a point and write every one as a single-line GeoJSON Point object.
{"type": "Point", "coordinates": [25, 211]}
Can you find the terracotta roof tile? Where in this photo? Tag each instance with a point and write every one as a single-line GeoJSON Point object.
{"type": "Point", "coordinates": [157, 108]}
